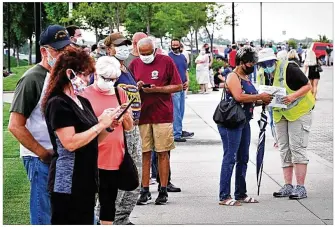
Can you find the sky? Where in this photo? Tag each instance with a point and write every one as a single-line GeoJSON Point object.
{"type": "Point", "coordinates": [299, 20]}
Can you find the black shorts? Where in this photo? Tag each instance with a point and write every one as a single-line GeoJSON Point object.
{"type": "Point", "coordinates": [108, 189]}
{"type": "Point", "coordinates": [70, 209]}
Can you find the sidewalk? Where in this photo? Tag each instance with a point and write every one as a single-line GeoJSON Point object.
{"type": "Point", "coordinates": [195, 167]}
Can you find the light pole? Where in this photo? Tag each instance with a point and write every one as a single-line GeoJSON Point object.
{"type": "Point", "coordinates": [8, 35]}
{"type": "Point", "coordinates": [261, 26]}
{"type": "Point", "coordinates": [37, 14]}
{"type": "Point", "coordinates": [233, 21]}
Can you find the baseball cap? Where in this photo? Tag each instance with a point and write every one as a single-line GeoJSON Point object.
{"type": "Point", "coordinates": [266, 54]}
{"type": "Point", "coordinates": [117, 39]}
{"type": "Point", "coordinates": [55, 36]}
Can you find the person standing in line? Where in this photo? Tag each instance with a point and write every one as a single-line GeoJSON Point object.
{"type": "Point", "coordinates": [236, 141]}
{"type": "Point", "coordinates": [118, 51]}
{"type": "Point", "coordinates": [310, 65]}
{"type": "Point", "coordinates": [178, 98]}
{"type": "Point", "coordinates": [328, 54]}
{"type": "Point", "coordinates": [202, 72]}
{"type": "Point", "coordinates": [299, 52]}
{"type": "Point", "coordinates": [227, 51]}
{"type": "Point", "coordinates": [211, 60]}
{"type": "Point", "coordinates": [75, 132]}
{"type": "Point", "coordinates": [28, 125]}
{"type": "Point", "coordinates": [157, 78]}
{"type": "Point", "coordinates": [187, 56]}
{"type": "Point", "coordinates": [75, 35]}
{"type": "Point", "coordinates": [102, 95]}
{"type": "Point", "coordinates": [134, 53]}
{"type": "Point", "coordinates": [232, 56]}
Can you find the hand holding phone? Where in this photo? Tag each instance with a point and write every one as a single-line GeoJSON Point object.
{"type": "Point", "coordinates": [146, 86]}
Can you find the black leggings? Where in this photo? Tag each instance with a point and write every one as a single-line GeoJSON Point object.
{"type": "Point", "coordinates": [107, 193]}
{"type": "Point", "coordinates": [70, 209]}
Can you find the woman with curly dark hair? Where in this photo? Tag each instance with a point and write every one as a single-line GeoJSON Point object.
{"type": "Point", "coordinates": [236, 141]}
{"type": "Point", "coordinates": [74, 132]}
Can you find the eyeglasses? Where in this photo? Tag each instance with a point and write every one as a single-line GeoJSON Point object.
{"type": "Point", "coordinates": [107, 79]}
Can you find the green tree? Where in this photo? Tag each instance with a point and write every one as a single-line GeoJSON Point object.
{"type": "Point", "coordinates": [139, 17]}
{"type": "Point", "coordinates": [93, 16]}
{"type": "Point", "coordinates": [20, 30]}
{"type": "Point", "coordinates": [56, 12]}
{"type": "Point", "coordinates": [293, 43]}
{"type": "Point", "coordinates": [322, 39]}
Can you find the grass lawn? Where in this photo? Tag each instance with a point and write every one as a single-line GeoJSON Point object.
{"type": "Point", "coordinates": [15, 183]}
{"type": "Point", "coordinates": [9, 83]}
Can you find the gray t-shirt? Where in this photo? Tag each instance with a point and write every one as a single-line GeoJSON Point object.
{"type": "Point", "coordinates": [129, 60]}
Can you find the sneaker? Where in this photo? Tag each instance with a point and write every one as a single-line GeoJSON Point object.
{"type": "Point", "coordinates": [152, 181]}
{"type": "Point", "coordinates": [181, 139]}
{"type": "Point", "coordinates": [186, 134]}
{"type": "Point", "coordinates": [162, 198]}
{"type": "Point", "coordinates": [299, 192]}
{"type": "Point", "coordinates": [144, 198]}
{"type": "Point", "coordinates": [285, 191]}
{"type": "Point", "coordinates": [170, 188]}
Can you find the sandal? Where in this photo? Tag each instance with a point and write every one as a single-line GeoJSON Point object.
{"type": "Point", "coordinates": [248, 200]}
{"type": "Point", "coordinates": [230, 202]}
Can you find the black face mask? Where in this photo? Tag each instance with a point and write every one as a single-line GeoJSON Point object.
{"type": "Point", "coordinates": [248, 70]}
{"type": "Point", "coordinates": [270, 45]}
{"type": "Point", "coordinates": [207, 49]}
{"type": "Point", "coordinates": [176, 49]}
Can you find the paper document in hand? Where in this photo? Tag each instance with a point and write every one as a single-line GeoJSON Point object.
{"type": "Point", "coordinates": [278, 92]}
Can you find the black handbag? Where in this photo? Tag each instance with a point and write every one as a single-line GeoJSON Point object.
{"type": "Point", "coordinates": [318, 68]}
{"type": "Point", "coordinates": [229, 113]}
{"type": "Point", "coordinates": [128, 174]}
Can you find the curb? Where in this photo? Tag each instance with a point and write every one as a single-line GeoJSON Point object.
{"type": "Point", "coordinates": [8, 92]}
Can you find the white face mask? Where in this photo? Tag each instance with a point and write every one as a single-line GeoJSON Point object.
{"type": "Point", "coordinates": [148, 59]}
{"type": "Point", "coordinates": [122, 52]}
{"type": "Point", "coordinates": [202, 52]}
{"type": "Point", "coordinates": [80, 41]}
{"type": "Point", "coordinates": [105, 86]}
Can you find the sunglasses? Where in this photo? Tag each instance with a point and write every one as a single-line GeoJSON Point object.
{"type": "Point", "coordinates": [267, 64]}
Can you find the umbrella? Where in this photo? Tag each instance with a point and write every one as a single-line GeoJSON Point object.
{"type": "Point", "coordinates": [260, 147]}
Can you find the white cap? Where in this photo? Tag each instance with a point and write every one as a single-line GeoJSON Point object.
{"type": "Point", "coordinates": [266, 54]}
{"type": "Point", "coordinates": [108, 67]}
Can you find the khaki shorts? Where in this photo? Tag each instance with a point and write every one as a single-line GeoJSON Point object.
{"type": "Point", "coordinates": [158, 137]}
{"type": "Point", "coordinates": [293, 140]}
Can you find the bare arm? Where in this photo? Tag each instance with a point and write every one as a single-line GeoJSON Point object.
{"type": "Point", "coordinates": [165, 89]}
{"type": "Point", "coordinates": [234, 85]}
{"type": "Point", "coordinates": [72, 140]}
{"type": "Point", "coordinates": [17, 126]}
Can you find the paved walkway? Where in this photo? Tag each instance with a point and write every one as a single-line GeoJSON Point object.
{"type": "Point", "coordinates": [196, 169]}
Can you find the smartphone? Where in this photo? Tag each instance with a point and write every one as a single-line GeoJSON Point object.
{"type": "Point", "coordinates": [125, 109]}
{"type": "Point", "coordinates": [123, 112]}
{"type": "Point", "coordinates": [146, 85]}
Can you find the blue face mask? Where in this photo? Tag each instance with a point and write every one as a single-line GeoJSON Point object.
{"type": "Point", "coordinates": [270, 69]}
{"type": "Point", "coordinates": [51, 60]}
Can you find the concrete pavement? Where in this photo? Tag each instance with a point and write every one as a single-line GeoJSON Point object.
{"type": "Point", "coordinates": [196, 164]}
{"type": "Point", "coordinates": [196, 169]}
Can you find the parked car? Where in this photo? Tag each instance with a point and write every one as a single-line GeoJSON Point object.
{"type": "Point", "coordinates": [320, 49]}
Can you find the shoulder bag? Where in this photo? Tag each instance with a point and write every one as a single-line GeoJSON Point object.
{"type": "Point", "coordinates": [229, 113]}
{"type": "Point", "coordinates": [128, 175]}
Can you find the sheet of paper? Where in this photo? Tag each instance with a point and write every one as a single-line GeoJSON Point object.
{"type": "Point", "coordinates": [279, 94]}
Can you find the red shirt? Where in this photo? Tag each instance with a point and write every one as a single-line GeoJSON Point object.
{"type": "Point", "coordinates": [232, 57]}
{"type": "Point", "coordinates": [156, 108]}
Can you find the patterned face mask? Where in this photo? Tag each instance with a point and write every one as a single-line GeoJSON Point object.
{"type": "Point", "coordinates": [77, 83]}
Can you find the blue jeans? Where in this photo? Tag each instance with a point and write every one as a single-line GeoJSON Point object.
{"type": "Point", "coordinates": [178, 113]}
{"type": "Point", "coordinates": [40, 208]}
{"type": "Point", "coordinates": [236, 144]}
